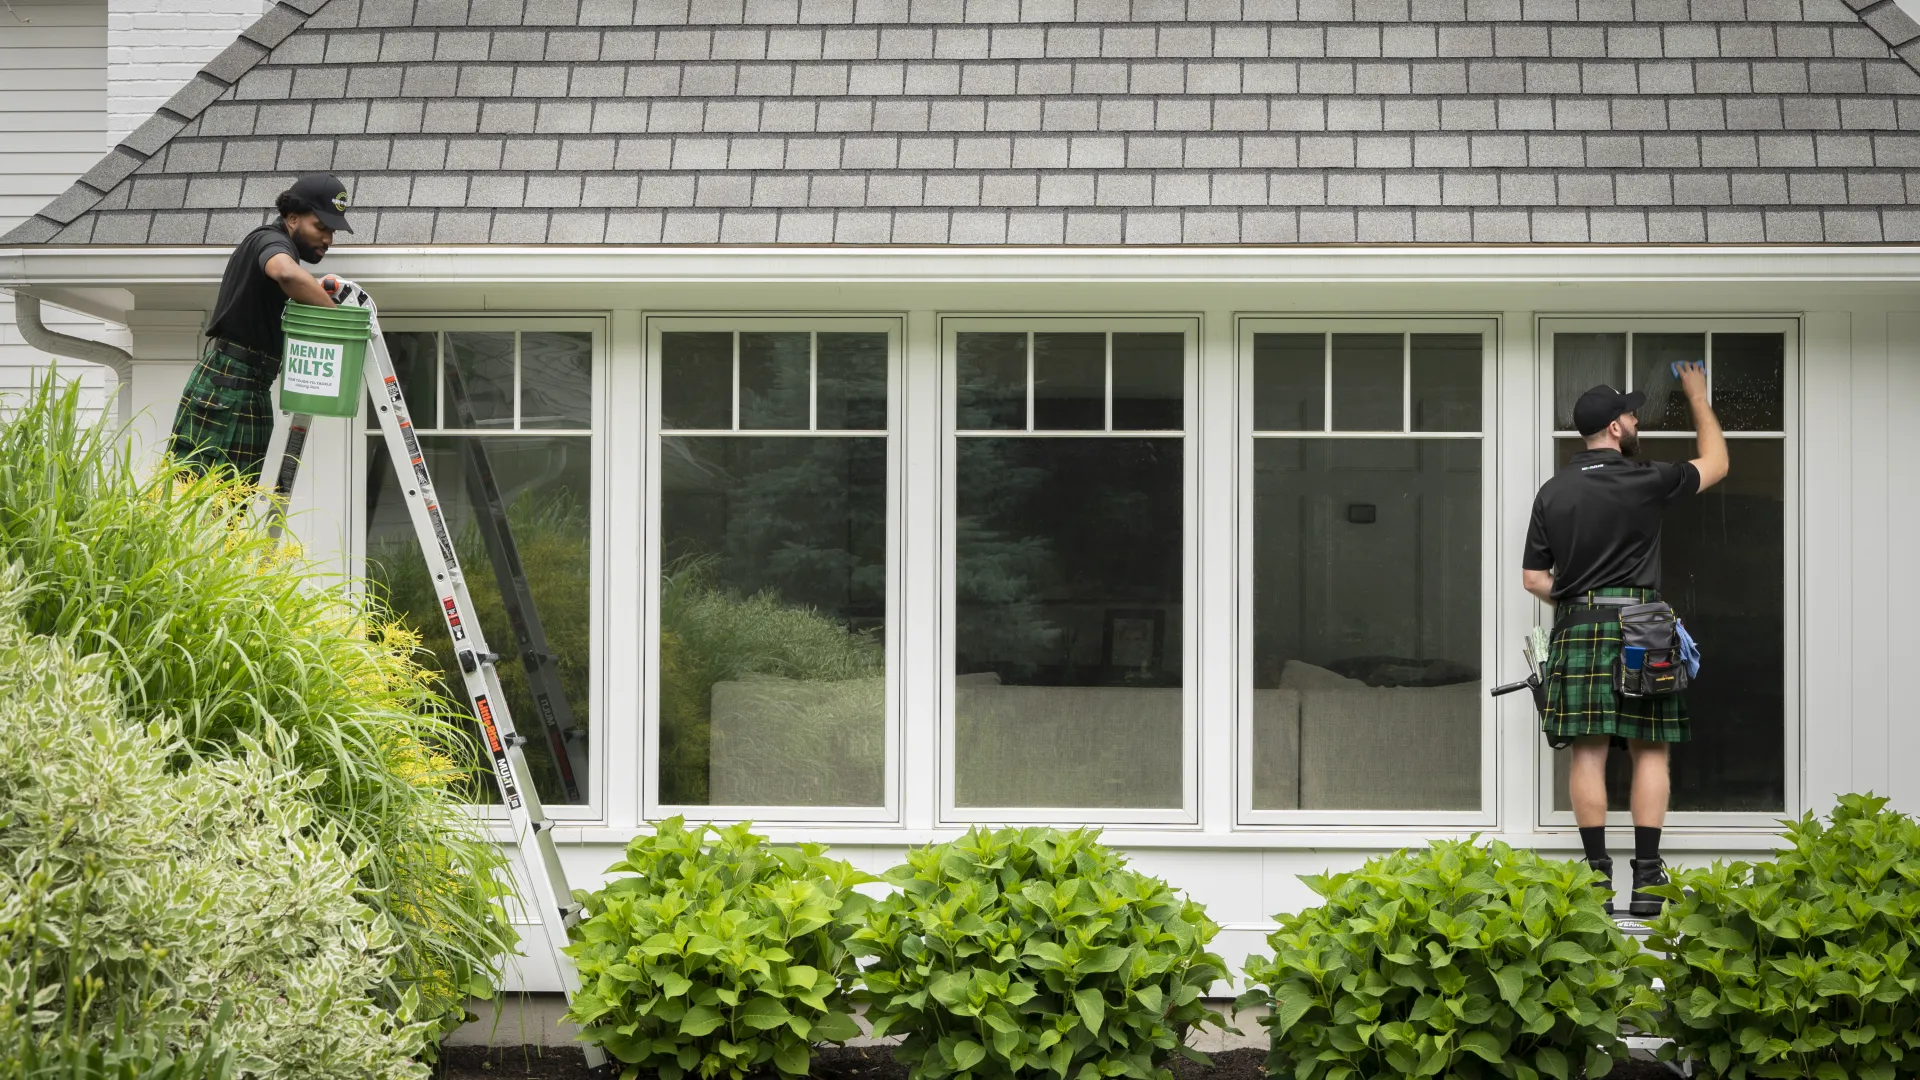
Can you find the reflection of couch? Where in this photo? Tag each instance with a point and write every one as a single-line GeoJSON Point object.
{"type": "Point", "coordinates": [1066, 746]}
{"type": "Point", "coordinates": [785, 742]}
{"type": "Point", "coordinates": [1324, 742]}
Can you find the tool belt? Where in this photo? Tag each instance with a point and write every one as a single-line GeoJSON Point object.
{"type": "Point", "coordinates": [268, 367]}
{"type": "Point", "coordinates": [1649, 634]}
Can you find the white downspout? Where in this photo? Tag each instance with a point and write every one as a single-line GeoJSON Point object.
{"type": "Point", "coordinates": [26, 313]}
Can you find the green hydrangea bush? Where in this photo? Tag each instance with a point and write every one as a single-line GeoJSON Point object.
{"type": "Point", "coordinates": [1457, 960]}
{"type": "Point", "coordinates": [195, 922]}
{"type": "Point", "coordinates": [721, 954]}
{"type": "Point", "coordinates": [1035, 952]}
{"type": "Point", "coordinates": [1806, 966]}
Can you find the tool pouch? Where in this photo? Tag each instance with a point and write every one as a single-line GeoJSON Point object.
{"type": "Point", "coordinates": [1656, 629]}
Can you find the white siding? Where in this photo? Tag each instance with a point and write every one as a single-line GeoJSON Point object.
{"type": "Point", "coordinates": [155, 46]}
{"type": "Point", "coordinates": [53, 127]}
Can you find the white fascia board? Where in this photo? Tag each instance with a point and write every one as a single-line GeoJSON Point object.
{"type": "Point", "coordinates": [136, 266]}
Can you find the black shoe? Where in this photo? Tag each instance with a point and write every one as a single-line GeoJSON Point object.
{"type": "Point", "coordinates": [1647, 872]}
{"type": "Point", "coordinates": [1605, 868]}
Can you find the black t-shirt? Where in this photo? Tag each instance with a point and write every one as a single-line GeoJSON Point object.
{"type": "Point", "coordinates": [1596, 524]}
{"type": "Point", "coordinates": [248, 310]}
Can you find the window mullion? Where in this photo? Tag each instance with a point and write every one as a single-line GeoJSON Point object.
{"type": "Point", "coordinates": [1326, 388]}
{"type": "Point", "coordinates": [735, 337]}
{"type": "Point", "coordinates": [1406, 383]}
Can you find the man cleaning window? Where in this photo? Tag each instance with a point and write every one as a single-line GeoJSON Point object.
{"type": "Point", "coordinates": [1593, 551]}
{"type": "Point", "coordinates": [226, 416]}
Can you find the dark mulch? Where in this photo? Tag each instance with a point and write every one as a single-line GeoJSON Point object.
{"type": "Point", "coordinates": [851, 1063]}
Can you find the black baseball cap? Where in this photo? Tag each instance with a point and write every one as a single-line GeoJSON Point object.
{"type": "Point", "coordinates": [1601, 405]}
{"type": "Point", "coordinates": [328, 197]}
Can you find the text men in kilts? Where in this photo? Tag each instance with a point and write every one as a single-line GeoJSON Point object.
{"type": "Point", "coordinates": [1595, 535]}
{"type": "Point", "coordinates": [226, 413]}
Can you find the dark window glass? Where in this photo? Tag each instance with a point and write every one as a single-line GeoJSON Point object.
{"type": "Point", "coordinates": [1149, 382]}
{"type": "Point", "coordinates": [772, 611]}
{"type": "Point", "coordinates": [1289, 382]}
{"type": "Point", "coordinates": [993, 381]}
{"type": "Point", "coordinates": [1446, 382]}
{"type": "Point", "coordinates": [1069, 382]}
{"type": "Point", "coordinates": [1367, 619]}
{"type": "Point", "coordinates": [1723, 568]}
{"type": "Point", "coordinates": [556, 380]}
{"type": "Point", "coordinates": [1749, 377]}
{"type": "Point", "coordinates": [1368, 382]}
{"type": "Point", "coordinates": [1067, 653]}
{"type": "Point", "coordinates": [1653, 359]}
{"type": "Point", "coordinates": [416, 365]}
{"type": "Point", "coordinates": [696, 380]}
{"type": "Point", "coordinates": [852, 395]}
{"type": "Point", "coordinates": [1580, 363]}
{"type": "Point", "coordinates": [479, 379]}
{"type": "Point", "coordinates": [545, 489]}
{"type": "Point", "coordinates": [776, 380]}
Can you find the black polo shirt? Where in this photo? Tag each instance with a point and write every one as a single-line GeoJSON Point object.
{"type": "Point", "coordinates": [1596, 524]}
{"type": "Point", "coordinates": [248, 309]}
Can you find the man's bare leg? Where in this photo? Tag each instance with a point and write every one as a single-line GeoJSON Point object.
{"type": "Point", "coordinates": [1587, 781]}
{"type": "Point", "coordinates": [1650, 783]}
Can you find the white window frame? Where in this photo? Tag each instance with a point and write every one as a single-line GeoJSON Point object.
{"type": "Point", "coordinates": [652, 808]}
{"type": "Point", "coordinates": [1488, 437]}
{"type": "Point", "coordinates": [598, 773]}
{"type": "Point", "coordinates": [1189, 326]}
{"type": "Point", "coordinates": [1793, 648]}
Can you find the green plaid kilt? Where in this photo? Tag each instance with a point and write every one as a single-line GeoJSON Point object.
{"type": "Point", "coordinates": [226, 413]}
{"type": "Point", "coordinates": [1580, 696]}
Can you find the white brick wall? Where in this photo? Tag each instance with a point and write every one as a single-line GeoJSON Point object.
{"type": "Point", "coordinates": [155, 46]}
{"type": "Point", "coordinates": [53, 127]}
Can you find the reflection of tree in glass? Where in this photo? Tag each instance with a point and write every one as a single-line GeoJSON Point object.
{"type": "Point", "coordinates": [550, 529]}
{"type": "Point", "coordinates": [999, 575]}
{"type": "Point", "coordinates": [711, 634]}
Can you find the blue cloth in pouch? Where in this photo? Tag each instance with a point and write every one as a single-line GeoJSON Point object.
{"type": "Point", "coordinates": [1689, 652]}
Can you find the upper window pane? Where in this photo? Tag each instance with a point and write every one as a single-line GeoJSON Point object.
{"type": "Point", "coordinates": [1445, 387]}
{"type": "Point", "coordinates": [1069, 382]}
{"type": "Point", "coordinates": [696, 380]}
{"type": "Point", "coordinates": [556, 380]}
{"type": "Point", "coordinates": [1368, 382]}
{"type": "Point", "coordinates": [1149, 382]}
{"type": "Point", "coordinates": [1580, 363]}
{"type": "Point", "coordinates": [416, 365]}
{"type": "Point", "coordinates": [992, 381]}
{"type": "Point", "coordinates": [1749, 378]}
{"type": "Point", "coordinates": [776, 380]}
{"type": "Point", "coordinates": [852, 394]}
{"type": "Point", "coordinates": [479, 379]}
{"type": "Point", "coordinates": [1653, 357]}
{"type": "Point", "coordinates": [1289, 382]}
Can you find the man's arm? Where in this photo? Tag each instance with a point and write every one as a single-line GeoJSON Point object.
{"type": "Point", "coordinates": [1539, 583]}
{"type": "Point", "coordinates": [1712, 462]}
{"type": "Point", "coordinates": [299, 285]}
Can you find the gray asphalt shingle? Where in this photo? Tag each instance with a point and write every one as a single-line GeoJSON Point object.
{"type": "Point", "coordinates": [1039, 122]}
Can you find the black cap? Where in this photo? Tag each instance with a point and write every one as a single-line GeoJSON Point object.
{"type": "Point", "coordinates": [328, 197]}
{"type": "Point", "coordinates": [1600, 406]}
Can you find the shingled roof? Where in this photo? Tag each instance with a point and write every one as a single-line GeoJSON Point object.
{"type": "Point", "coordinates": [1039, 122]}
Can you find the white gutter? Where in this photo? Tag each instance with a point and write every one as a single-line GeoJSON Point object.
{"type": "Point", "coordinates": [26, 313]}
{"type": "Point", "coordinates": [123, 267]}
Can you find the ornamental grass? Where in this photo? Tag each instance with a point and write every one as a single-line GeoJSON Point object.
{"type": "Point", "coordinates": [201, 620]}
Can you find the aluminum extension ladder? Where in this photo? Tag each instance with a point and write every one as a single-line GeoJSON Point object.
{"type": "Point", "coordinates": [533, 832]}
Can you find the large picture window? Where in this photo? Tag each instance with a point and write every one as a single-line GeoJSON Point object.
{"type": "Point", "coordinates": [773, 472]}
{"type": "Point", "coordinates": [504, 411]}
{"type": "Point", "coordinates": [1366, 558]}
{"type": "Point", "coordinates": [1724, 555]}
{"type": "Point", "coordinates": [1070, 574]}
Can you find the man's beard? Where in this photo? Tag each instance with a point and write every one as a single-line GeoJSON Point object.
{"type": "Point", "coordinates": [1630, 444]}
{"type": "Point", "coordinates": [307, 252]}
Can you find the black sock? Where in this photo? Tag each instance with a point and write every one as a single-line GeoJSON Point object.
{"type": "Point", "coordinates": [1594, 839]}
{"type": "Point", "coordinates": [1646, 843]}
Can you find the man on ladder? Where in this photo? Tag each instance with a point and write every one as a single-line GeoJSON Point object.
{"type": "Point", "coordinates": [227, 419]}
{"type": "Point", "coordinates": [226, 414]}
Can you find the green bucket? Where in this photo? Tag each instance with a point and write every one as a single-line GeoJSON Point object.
{"type": "Point", "coordinates": [325, 353]}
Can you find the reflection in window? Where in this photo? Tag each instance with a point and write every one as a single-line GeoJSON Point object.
{"type": "Point", "coordinates": [773, 569]}
{"type": "Point", "coordinates": [1366, 574]}
{"type": "Point", "coordinates": [1723, 562]}
{"type": "Point", "coordinates": [519, 507]}
{"type": "Point", "coordinates": [1069, 569]}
